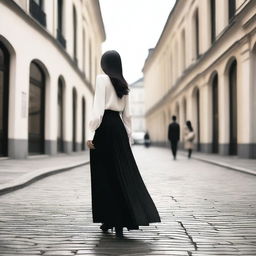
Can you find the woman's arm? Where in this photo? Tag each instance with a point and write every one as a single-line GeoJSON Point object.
{"type": "Point", "coordinates": [98, 107]}
{"type": "Point", "coordinates": [126, 116]}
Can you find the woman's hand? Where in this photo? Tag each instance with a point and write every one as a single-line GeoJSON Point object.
{"type": "Point", "coordinates": [90, 145]}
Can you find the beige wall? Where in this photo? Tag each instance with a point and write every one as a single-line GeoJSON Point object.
{"type": "Point", "coordinates": [234, 41]}
{"type": "Point", "coordinates": [28, 41]}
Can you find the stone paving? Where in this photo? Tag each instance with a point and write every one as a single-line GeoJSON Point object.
{"type": "Point", "coordinates": [12, 169]}
{"type": "Point", "coordinates": [205, 210]}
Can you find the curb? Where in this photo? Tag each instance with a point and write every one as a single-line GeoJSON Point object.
{"type": "Point", "coordinates": [221, 164]}
{"type": "Point", "coordinates": [34, 176]}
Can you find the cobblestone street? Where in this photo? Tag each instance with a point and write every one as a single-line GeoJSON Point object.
{"type": "Point", "coordinates": [205, 210]}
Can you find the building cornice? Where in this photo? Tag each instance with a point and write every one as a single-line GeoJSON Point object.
{"type": "Point", "coordinates": [36, 25]}
{"type": "Point", "coordinates": [208, 53]}
{"type": "Point", "coordinates": [172, 90]}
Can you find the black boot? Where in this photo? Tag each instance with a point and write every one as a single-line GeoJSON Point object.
{"type": "Point", "coordinates": [119, 232]}
{"type": "Point", "coordinates": [105, 227]}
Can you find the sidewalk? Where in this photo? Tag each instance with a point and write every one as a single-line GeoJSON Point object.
{"type": "Point", "coordinates": [230, 162]}
{"type": "Point", "coordinates": [15, 174]}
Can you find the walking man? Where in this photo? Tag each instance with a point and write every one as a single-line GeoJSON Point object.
{"type": "Point", "coordinates": [174, 136]}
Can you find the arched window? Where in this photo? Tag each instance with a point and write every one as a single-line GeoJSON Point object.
{"type": "Point", "coordinates": [74, 34]}
{"type": "Point", "coordinates": [231, 9]}
{"type": "Point", "coordinates": [74, 118]}
{"type": "Point", "coordinates": [60, 29]}
{"type": "Point", "coordinates": [213, 20]}
{"type": "Point", "coordinates": [83, 124]}
{"type": "Point", "coordinates": [215, 114]}
{"type": "Point", "coordinates": [60, 139]}
{"type": "Point", "coordinates": [233, 108]}
{"type": "Point", "coordinates": [36, 109]}
{"type": "Point", "coordinates": [4, 98]}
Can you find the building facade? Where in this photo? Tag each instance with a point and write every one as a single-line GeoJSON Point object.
{"type": "Point", "coordinates": [137, 106]}
{"type": "Point", "coordinates": [49, 57]}
{"type": "Point", "coordinates": [203, 69]}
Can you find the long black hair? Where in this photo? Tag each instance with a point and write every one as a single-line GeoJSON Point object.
{"type": "Point", "coordinates": [111, 64]}
{"type": "Point", "coordinates": [189, 125]}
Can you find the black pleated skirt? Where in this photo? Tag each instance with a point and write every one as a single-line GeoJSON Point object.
{"type": "Point", "coordinates": [119, 195]}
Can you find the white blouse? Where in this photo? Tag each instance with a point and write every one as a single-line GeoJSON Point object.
{"type": "Point", "coordinates": [105, 98]}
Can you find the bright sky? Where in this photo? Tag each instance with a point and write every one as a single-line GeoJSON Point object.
{"type": "Point", "coordinates": [132, 27]}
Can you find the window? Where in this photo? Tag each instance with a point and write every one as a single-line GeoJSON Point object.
{"type": "Point", "coordinates": [213, 20]}
{"type": "Point", "coordinates": [74, 34]}
{"type": "Point", "coordinates": [231, 9]}
{"type": "Point", "coordinates": [36, 10]}
{"type": "Point", "coordinates": [60, 36]}
{"type": "Point", "coordinates": [196, 24]}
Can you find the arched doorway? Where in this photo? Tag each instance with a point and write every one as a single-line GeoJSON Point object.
{"type": "Point", "coordinates": [4, 98]}
{"type": "Point", "coordinates": [74, 118]}
{"type": "Point", "coordinates": [232, 75]}
{"type": "Point", "coordinates": [83, 124]}
{"type": "Point", "coordinates": [215, 115]}
{"type": "Point", "coordinates": [196, 114]}
{"type": "Point", "coordinates": [60, 138]}
{"type": "Point", "coordinates": [36, 118]}
{"type": "Point", "coordinates": [184, 117]}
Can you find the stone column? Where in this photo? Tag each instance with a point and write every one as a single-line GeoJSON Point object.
{"type": "Point", "coordinates": [205, 118]}
{"type": "Point", "coordinates": [79, 123]}
{"type": "Point", "coordinates": [244, 102]}
{"type": "Point", "coordinates": [51, 117]}
{"type": "Point", "coordinates": [68, 105]}
{"type": "Point", "coordinates": [18, 107]}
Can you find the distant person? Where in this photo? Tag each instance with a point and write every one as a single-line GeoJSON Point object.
{"type": "Point", "coordinates": [174, 136]}
{"type": "Point", "coordinates": [147, 140]}
{"type": "Point", "coordinates": [189, 138]}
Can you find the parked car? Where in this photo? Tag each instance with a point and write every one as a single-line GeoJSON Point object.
{"type": "Point", "coordinates": [138, 138]}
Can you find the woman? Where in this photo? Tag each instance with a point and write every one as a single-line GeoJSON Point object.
{"type": "Point", "coordinates": [189, 138]}
{"type": "Point", "coordinates": [119, 196]}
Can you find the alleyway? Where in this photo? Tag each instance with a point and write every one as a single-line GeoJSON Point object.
{"type": "Point", "coordinates": [205, 210]}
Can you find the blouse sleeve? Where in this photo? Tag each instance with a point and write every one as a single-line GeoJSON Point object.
{"type": "Point", "coordinates": [126, 116]}
{"type": "Point", "coordinates": [97, 108]}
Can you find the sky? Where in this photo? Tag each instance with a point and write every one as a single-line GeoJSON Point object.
{"type": "Point", "coordinates": [132, 27]}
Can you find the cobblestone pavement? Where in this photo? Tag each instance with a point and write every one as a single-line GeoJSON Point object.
{"type": "Point", "coordinates": [205, 210]}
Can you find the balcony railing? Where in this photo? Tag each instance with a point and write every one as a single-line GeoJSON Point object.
{"type": "Point", "coordinates": [37, 13]}
{"type": "Point", "coordinates": [61, 38]}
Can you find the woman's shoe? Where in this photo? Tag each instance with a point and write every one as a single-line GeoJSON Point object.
{"type": "Point", "coordinates": [119, 232]}
{"type": "Point", "coordinates": [105, 227]}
